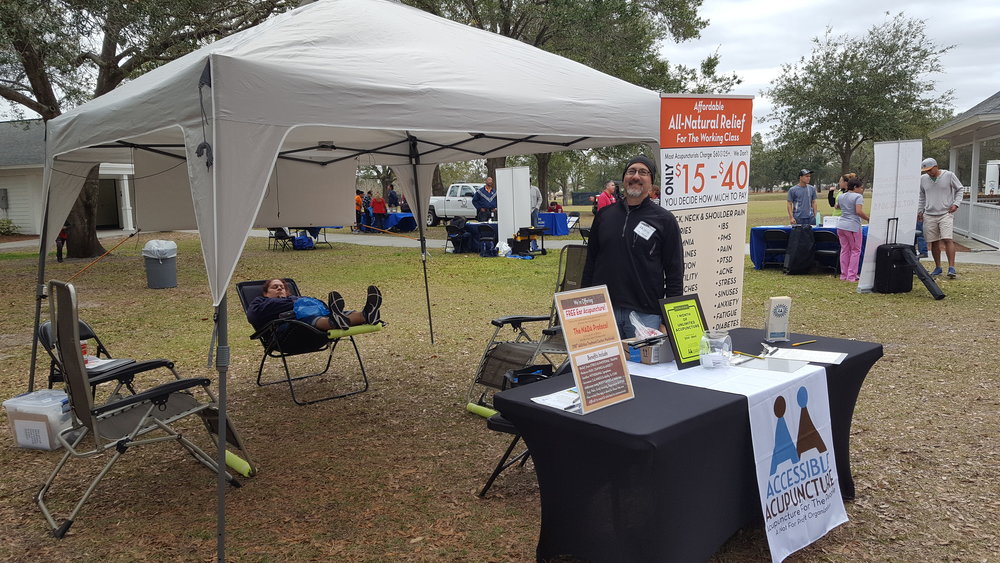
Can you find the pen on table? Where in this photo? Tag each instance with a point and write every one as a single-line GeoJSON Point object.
{"type": "Point", "coordinates": [803, 342]}
{"type": "Point", "coordinates": [745, 354]}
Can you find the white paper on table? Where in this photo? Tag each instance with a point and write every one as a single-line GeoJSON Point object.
{"type": "Point", "coordinates": [814, 356]}
{"type": "Point", "coordinates": [563, 400]}
{"type": "Point", "coordinates": [731, 379]}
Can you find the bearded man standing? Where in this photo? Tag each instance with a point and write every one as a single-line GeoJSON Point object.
{"type": "Point", "coordinates": [635, 249]}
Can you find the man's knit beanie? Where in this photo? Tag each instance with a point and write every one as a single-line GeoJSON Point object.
{"type": "Point", "coordinates": [642, 159]}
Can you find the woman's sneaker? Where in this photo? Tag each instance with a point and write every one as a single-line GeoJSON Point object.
{"type": "Point", "coordinates": [373, 306]}
{"type": "Point", "coordinates": [952, 274]}
{"type": "Point", "coordinates": [336, 303]}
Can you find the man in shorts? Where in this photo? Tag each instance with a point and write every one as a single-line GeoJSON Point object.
{"type": "Point", "coordinates": [940, 195]}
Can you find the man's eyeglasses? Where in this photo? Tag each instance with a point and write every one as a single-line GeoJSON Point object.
{"type": "Point", "coordinates": [637, 172]}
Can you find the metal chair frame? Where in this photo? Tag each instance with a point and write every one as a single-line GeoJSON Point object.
{"type": "Point", "coordinates": [120, 425]}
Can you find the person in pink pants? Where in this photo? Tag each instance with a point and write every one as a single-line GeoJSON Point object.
{"type": "Point", "coordinates": [851, 206]}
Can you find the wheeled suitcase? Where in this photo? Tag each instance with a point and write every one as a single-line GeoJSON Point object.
{"type": "Point", "coordinates": [801, 253]}
{"type": "Point", "coordinates": [893, 272]}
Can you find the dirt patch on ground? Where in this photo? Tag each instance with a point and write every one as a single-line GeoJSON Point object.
{"type": "Point", "coordinates": [16, 238]}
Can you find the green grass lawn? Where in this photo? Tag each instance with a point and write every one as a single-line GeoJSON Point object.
{"type": "Point", "coordinates": [391, 475]}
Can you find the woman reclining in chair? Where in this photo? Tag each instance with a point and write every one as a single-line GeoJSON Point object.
{"type": "Point", "coordinates": [275, 301]}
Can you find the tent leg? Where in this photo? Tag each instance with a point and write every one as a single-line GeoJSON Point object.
{"type": "Point", "coordinates": [414, 161]}
{"type": "Point", "coordinates": [39, 291]}
{"type": "Point", "coordinates": [222, 366]}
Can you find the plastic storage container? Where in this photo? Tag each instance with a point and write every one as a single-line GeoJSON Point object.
{"type": "Point", "coordinates": [161, 263]}
{"type": "Point", "coordinates": [36, 418]}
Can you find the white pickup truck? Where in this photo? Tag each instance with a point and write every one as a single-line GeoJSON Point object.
{"type": "Point", "coordinates": [456, 203]}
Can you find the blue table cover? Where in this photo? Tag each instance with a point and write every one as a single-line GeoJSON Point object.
{"type": "Point", "coordinates": [403, 222]}
{"type": "Point", "coordinates": [757, 243]}
{"type": "Point", "coordinates": [555, 224]}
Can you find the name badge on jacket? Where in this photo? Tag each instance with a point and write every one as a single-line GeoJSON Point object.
{"type": "Point", "coordinates": [644, 230]}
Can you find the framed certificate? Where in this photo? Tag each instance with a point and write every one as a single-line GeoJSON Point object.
{"type": "Point", "coordinates": [685, 322]}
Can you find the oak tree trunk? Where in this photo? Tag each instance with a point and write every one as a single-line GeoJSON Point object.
{"type": "Point", "coordinates": [82, 231]}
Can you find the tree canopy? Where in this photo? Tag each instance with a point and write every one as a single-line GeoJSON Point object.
{"type": "Point", "coordinates": [56, 54]}
{"type": "Point", "coordinates": [855, 90]}
{"type": "Point", "coordinates": [617, 37]}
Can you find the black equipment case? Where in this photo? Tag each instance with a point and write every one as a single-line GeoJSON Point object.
{"type": "Point", "coordinates": [893, 274]}
{"type": "Point", "coordinates": [895, 265]}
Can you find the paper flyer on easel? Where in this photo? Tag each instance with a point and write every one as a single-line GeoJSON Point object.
{"type": "Point", "coordinates": [594, 345]}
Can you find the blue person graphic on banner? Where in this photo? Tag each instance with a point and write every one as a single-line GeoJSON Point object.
{"type": "Point", "coordinates": [784, 447]}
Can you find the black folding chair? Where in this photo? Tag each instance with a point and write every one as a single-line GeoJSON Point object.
{"type": "Point", "coordinates": [457, 235]}
{"type": "Point", "coordinates": [524, 348]}
{"type": "Point", "coordinates": [775, 247]}
{"type": "Point", "coordinates": [827, 251]}
{"type": "Point", "coordinates": [285, 338]}
{"type": "Point", "coordinates": [487, 240]}
{"type": "Point", "coordinates": [279, 237]}
{"type": "Point", "coordinates": [118, 426]}
{"type": "Point", "coordinates": [120, 370]}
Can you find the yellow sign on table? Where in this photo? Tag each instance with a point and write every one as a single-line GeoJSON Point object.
{"type": "Point", "coordinates": [685, 323]}
{"type": "Point", "coordinates": [594, 346]}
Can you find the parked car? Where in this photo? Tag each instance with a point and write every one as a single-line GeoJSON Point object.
{"type": "Point", "coordinates": [457, 202]}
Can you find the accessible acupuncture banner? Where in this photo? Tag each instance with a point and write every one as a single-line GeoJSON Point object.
{"type": "Point", "coordinates": [796, 467]}
{"type": "Point", "coordinates": [704, 180]}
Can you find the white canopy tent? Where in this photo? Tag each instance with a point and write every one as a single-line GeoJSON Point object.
{"type": "Point", "coordinates": [268, 126]}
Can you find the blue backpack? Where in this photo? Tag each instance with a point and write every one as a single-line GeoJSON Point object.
{"type": "Point", "coordinates": [303, 243]}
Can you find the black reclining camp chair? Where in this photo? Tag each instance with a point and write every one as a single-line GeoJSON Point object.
{"type": "Point", "coordinates": [120, 370]}
{"type": "Point", "coordinates": [117, 426]}
{"type": "Point", "coordinates": [525, 349]}
{"type": "Point", "coordinates": [285, 338]}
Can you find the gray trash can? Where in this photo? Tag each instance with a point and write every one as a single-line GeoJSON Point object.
{"type": "Point", "coordinates": [161, 263]}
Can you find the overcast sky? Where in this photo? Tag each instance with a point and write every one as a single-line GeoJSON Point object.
{"type": "Point", "coordinates": [755, 37]}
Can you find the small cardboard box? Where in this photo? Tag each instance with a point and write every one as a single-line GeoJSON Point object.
{"type": "Point", "coordinates": [658, 354]}
{"type": "Point", "coordinates": [776, 319]}
{"type": "Point", "coordinates": [36, 418]}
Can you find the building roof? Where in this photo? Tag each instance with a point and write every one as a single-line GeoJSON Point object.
{"type": "Point", "coordinates": [22, 143]}
{"type": "Point", "coordinates": [981, 121]}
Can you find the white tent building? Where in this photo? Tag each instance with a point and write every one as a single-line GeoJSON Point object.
{"type": "Point", "coordinates": [267, 126]}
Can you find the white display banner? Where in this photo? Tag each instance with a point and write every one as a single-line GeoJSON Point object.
{"type": "Point", "coordinates": [513, 200]}
{"type": "Point", "coordinates": [895, 191]}
{"type": "Point", "coordinates": [704, 180]}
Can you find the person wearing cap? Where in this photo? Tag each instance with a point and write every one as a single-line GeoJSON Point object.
{"type": "Point", "coordinates": [635, 249]}
{"type": "Point", "coordinates": [802, 201]}
{"type": "Point", "coordinates": [940, 196]}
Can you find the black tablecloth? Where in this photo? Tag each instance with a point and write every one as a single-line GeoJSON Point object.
{"type": "Point", "coordinates": [668, 475]}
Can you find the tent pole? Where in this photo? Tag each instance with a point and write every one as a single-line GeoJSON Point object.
{"type": "Point", "coordinates": [40, 285]}
{"type": "Point", "coordinates": [414, 161]}
{"type": "Point", "coordinates": [222, 366]}
{"type": "Point", "coordinates": [39, 295]}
